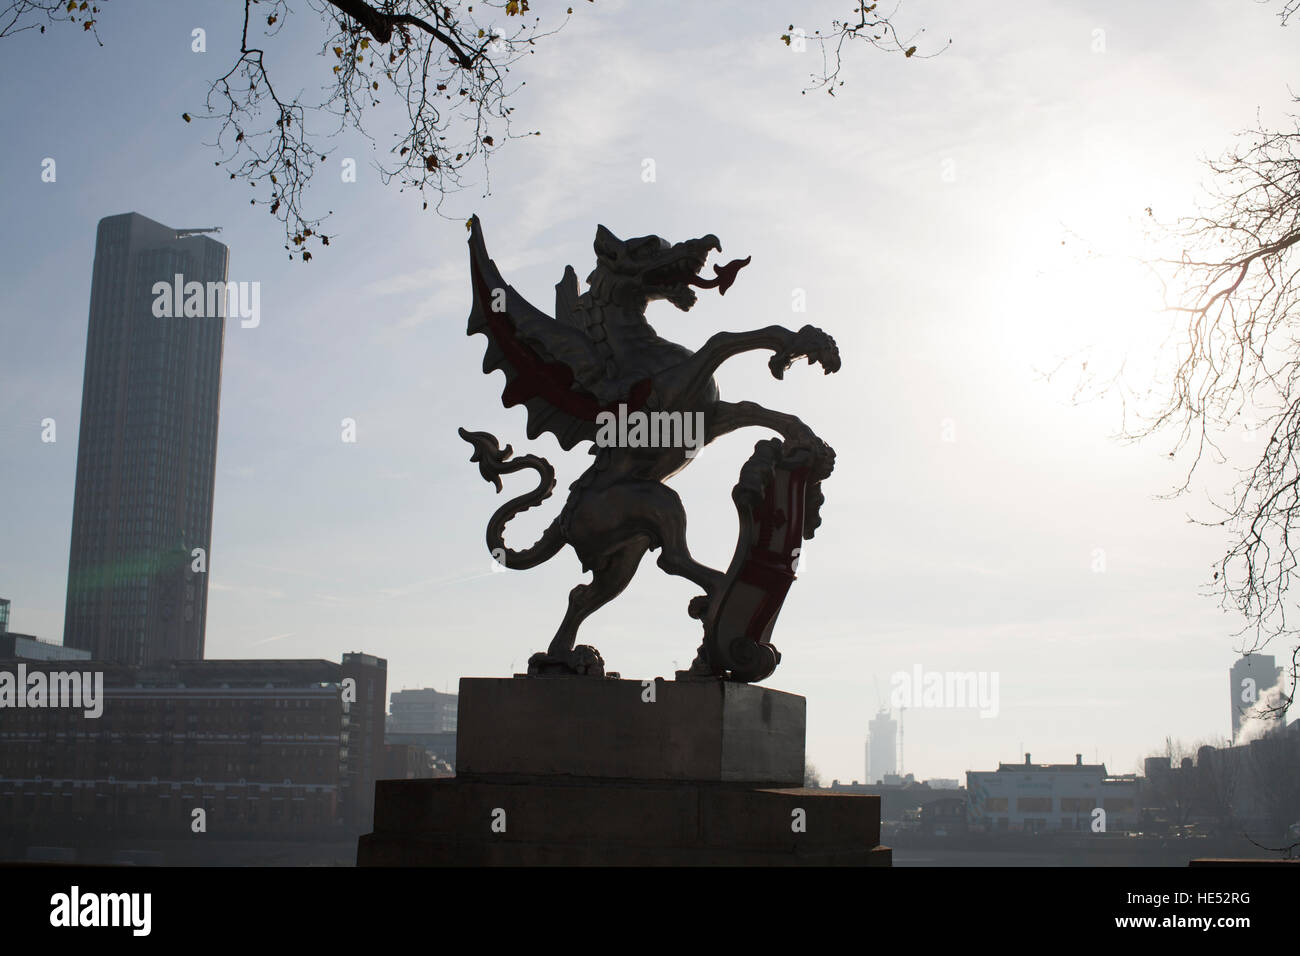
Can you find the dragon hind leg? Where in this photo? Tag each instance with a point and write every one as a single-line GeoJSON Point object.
{"type": "Point", "coordinates": [607, 582]}
{"type": "Point", "coordinates": [676, 559]}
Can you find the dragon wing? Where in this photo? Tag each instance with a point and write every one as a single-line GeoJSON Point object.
{"type": "Point", "coordinates": [549, 365]}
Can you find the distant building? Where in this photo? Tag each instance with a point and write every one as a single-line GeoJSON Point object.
{"type": "Point", "coordinates": [1034, 797]}
{"type": "Point", "coordinates": [1249, 678]}
{"type": "Point", "coordinates": [424, 711]}
{"type": "Point", "coordinates": [944, 783]}
{"type": "Point", "coordinates": [147, 449]}
{"type": "Point", "coordinates": [901, 798]}
{"type": "Point", "coordinates": [882, 747]}
{"type": "Point", "coordinates": [32, 648]}
{"type": "Point", "coordinates": [27, 647]}
{"type": "Point", "coordinates": [944, 816]}
{"type": "Point", "coordinates": [1252, 787]}
{"type": "Point", "coordinates": [405, 762]}
{"type": "Point", "coordinates": [425, 718]}
{"type": "Point", "coordinates": [269, 749]}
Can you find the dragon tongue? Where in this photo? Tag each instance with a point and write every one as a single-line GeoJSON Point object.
{"type": "Point", "coordinates": [726, 275]}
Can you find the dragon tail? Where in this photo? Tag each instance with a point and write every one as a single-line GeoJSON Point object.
{"type": "Point", "coordinates": [493, 462]}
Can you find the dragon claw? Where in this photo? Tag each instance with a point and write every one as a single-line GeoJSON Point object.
{"type": "Point", "coordinates": [582, 661]}
{"type": "Point", "coordinates": [811, 343]}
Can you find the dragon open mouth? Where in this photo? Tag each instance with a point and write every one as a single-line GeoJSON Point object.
{"type": "Point", "coordinates": [681, 271]}
{"type": "Point", "coordinates": [675, 278]}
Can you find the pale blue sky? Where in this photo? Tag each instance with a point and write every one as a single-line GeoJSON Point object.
{"type": "Point", "coordinates": [922, 209]}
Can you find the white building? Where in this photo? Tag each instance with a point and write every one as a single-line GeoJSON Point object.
{"type": "Point", "coordinates": [1038, 797]}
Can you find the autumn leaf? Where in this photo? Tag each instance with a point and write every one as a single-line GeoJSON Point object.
{"type": "Point", "coordinates": [910, 50]}
{"type": "Point", "coordinates": [186, 117]}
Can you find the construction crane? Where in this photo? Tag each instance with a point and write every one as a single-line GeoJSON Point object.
{"type": "Point", "coordinates": [901, 766]}
{"type": "Point", "coordinates": [182, 233]}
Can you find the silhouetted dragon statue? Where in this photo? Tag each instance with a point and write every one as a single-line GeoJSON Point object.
{"type": "Point", "coordinates": [597, 372]}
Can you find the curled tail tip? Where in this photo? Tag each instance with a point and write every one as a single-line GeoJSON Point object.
{"type": "Point", "coordinates": [486, 446]}
{"type": "Point", "coordinates": [478, 438]}
{"type": "Point", "coordinates": [488, 453]}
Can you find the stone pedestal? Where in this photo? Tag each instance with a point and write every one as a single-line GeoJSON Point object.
{"type": "Point", "coordinates": [583, 771]}
{"type": "Point", "coordinates": [700, 731]}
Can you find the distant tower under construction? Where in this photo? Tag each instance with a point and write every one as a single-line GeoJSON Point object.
{"type": "Point", "coordinates": [882, 746]}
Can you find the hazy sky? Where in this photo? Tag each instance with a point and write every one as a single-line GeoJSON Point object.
{"type": "Point", "coordinates": [938, 215]}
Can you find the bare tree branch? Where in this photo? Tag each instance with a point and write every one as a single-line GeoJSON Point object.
{"type": "Point", "coordinates": [445, 64]}
{"type": "Point", "coordinates": [868, 26]}
{"type": "Point", "coordinates": [19, 16]}
{"type": "Point", "coordinates": [1236, 361]}
{"type": "Point", "coordinates": [448, 71]}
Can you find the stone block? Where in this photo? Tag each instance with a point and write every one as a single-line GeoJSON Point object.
{"type": "Point", "coordinates": [705, 731]}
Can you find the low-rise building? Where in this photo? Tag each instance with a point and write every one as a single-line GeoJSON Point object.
{"type": "Point", "coordinates": [14, 646]}
{"type": "Point", "coordinates": [1032, 797]}
{"type": "Point", "coordinates": [901, 797]}
{"type": "Point", "coordinates": [283, 749]}
{"type": "Point", "coordinates": [425, 718]}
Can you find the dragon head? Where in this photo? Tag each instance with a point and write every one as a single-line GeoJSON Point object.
{"type": "Point", "coordinates": [636, 271]}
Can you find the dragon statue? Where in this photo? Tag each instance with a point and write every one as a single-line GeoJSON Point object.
{"type": "Point", "coordinates": [597, 372]}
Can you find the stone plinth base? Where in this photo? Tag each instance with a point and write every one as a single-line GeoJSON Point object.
{"type": "Point", "coordinates": [697, 731]}
{"type": "Point", "coordinates": [539, 821]}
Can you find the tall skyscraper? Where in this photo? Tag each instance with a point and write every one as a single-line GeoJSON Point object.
{"type": "Point", "coordinates": [1249, 678]}
{"type": "Point", "coordinates": [146, 454]}
{"type": "Point", "coordinates": [882, 747]}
